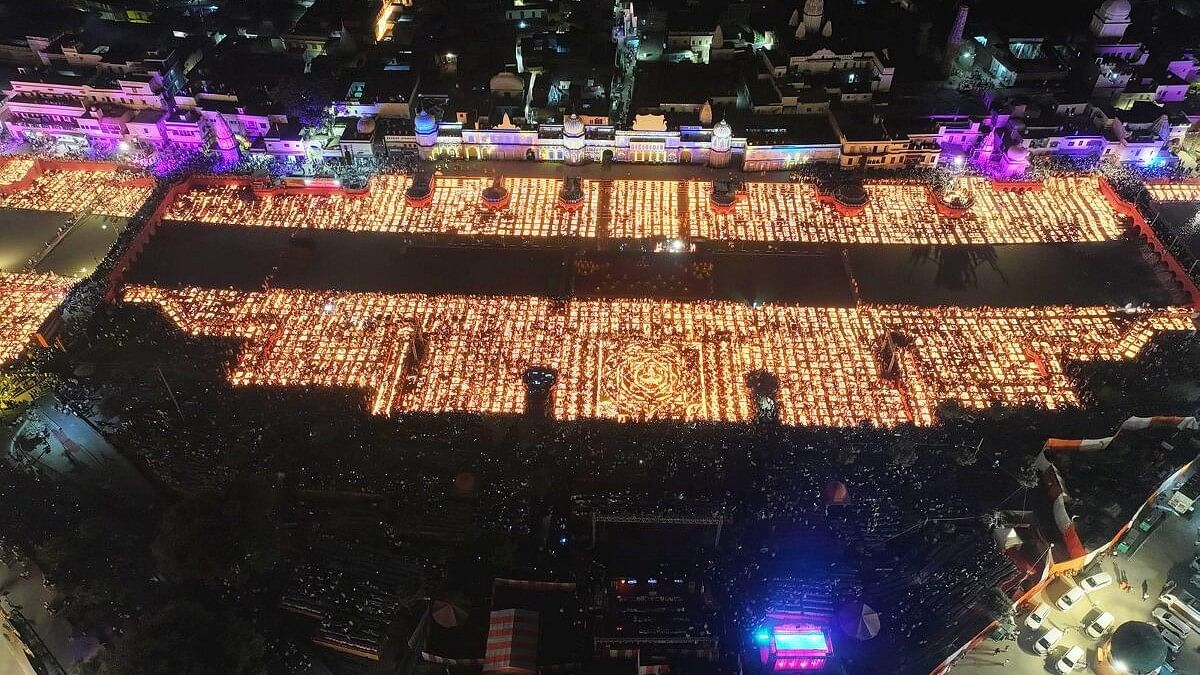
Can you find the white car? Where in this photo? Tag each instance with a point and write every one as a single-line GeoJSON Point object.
{"type": "Point", "coordinates": [1096, 582]}
{"type": "Point", "coordinates": [1174, 640]}
{"type": "Point", "coordinates": [1038, 616]}
{"type": "Point", "coordinates": [1072, 660]}
{"type": "Point", "coordinates": [1171, 620]}
{"type": "Point", "coordinates": [1097, 622]}
{"type": "Point", "coordinates": [1048, 640]}
{"type": "Point", "coordinates": [1072, 595]}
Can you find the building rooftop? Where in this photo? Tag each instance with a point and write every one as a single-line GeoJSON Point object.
{"type": "Point", "coordinates": [783, 129]}
{"type": "Point", "coordinates": [661, 83]}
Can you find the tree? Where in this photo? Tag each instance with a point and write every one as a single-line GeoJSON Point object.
{"type": "Point", "coordinates": [1027, 474]}
{"type": "Point", "coordinates": [998, 604]}
{"type": "Point", "coordinates": [903, 453]}
{"type": "Point", "coordinates": [213, 536]}
{"type": "Point", "coordinates": [304, 99]}
{"type": "Point", "coordinates": [185, 638]}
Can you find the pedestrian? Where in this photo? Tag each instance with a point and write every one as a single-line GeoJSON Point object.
{"type": "Point", "coordinates": [1007, 661]}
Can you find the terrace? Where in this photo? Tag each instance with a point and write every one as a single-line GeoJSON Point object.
{"type": "Point", "coordinates": [105, 193]}
{"type": "Point", "coordinates": [25, 302]}
{"type": "Point", "coordinates": [637, 360]}
{"type": "Point", "coordinates": [1061, 209]}
{"type": "Point", "coordinates": [1176, 191]}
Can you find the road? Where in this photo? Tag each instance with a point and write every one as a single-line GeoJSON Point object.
{"type": "Point", "coordinates": [1165, 554]}
{"type": "Point", "coordinates": [74, 451]}
{"type": "Point", "coordinates": [27, 596]}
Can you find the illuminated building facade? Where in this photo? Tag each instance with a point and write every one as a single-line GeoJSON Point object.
{"type": "Point", "coordinates": [788, 645]}
{"type": "Point", "coordinates": [649, 141]}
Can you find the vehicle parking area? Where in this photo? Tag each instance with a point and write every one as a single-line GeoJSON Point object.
{"type": "Point", "coordinates": [1165, 555]}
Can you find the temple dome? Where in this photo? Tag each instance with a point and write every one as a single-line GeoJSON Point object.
{"type": "Point", "coordinates": [425, 123]}
{"type": "Point", "coordinates": [572, 125]}
{"type": "Point", "coordinates": [817, 7]}
{"type": "Point", "coordinates": [1114, 10]}
{"type": "Point", "coordinates": [506, 82]}
{"type": "Point", "coordinates": [722, 130]}
{"type": "Point", "coordinates": [1017, 153]}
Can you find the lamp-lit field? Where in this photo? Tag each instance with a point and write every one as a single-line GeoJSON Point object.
{"type": "Point", "coordinates": [646, 209]}
{"type": "Point", "coordinates": [1066, 209]}
{"type": "Point", "coordinates": [25, 302]}
{"type": "Point", "coordinates": [456, 209]}
{"type": "Point", "coordinates": [103, 193]}
{"type": "Point", "coordinates": [1174, 192]}
{"type": "Point", "coordinates": [652, 359]}
{"type": "Point", "coordinates": [14, 169]}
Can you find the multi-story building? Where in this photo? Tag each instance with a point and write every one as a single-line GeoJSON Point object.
{"type": "Point", "coordinates": [868, 140]}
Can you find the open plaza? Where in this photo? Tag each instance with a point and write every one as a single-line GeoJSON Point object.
{"type": "Point", "coordinates": [652, 329]}
{"type": "Point", "coordinates": [646, 360]}
{"type": "Point", "coordinates": [1059, 209]}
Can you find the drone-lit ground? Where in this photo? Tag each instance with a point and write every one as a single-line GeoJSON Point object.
{"type": "Point", "coordinates": [653, 359]}
{"type": "Point", "coordinates": [1064, 209]}
{"type": "Point", "coordinates": [25, 302]}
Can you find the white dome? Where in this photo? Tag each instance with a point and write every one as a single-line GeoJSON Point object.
{"type": "Point", "coordinates": [1114, 10]}
{"type": "Point", "coordinates": [722, 130]}
{"type": "Point", "coordinates": [1017, 153]}
{"type": "Point", "coordinates": [366, 125]}
{"type": "Point", "coordinates": [572, 126]}
{"type": "Point", "coordinates": [425, 123]}
{"type": "Point", "coordinates": [506, 82]}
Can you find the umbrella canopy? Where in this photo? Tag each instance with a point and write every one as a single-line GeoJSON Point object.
{"type": "Point", "coordinates": [859, 620]}
{"type": "Point", "coordinates": [1138, 646]}
{"type": "Point", "coordinates": [448, 614]}
{"type": "Point", "coordinates": [835, 493]}
{"type": "Point", "coordinates": [464, 484]}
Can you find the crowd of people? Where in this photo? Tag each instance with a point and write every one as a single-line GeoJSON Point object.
{"type": "Point", "coordinates": [909, 522]}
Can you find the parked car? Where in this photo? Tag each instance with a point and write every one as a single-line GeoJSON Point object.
{"type": "Point", "coordinates": [1048, 640]}
{"type": "Point", "coordinates": [1171, 620]}
{"type": "Point", "coordinates": [1096, 582]}
{"type": "Point", "coordinates": [1069, 597]}
{"type": "Point", "coordinates": [1038, 616]}
{"type": "Point", "coordinates": [1073, 660]}
{"type": "Point", "coordinates": [1182, 605]}
{"type": "Point", "coordinates": [1174, 640]}
{"type": "Point", "coordinates": [1097, 622]}
{"type": "Point", "coordinates": [1195, 565]}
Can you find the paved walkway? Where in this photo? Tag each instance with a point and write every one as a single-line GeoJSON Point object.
{"type": "Point", "coordinates": [1165, 554]}
{"type": "Point", "coordinates": [28, 596]}
{"type": "Point", "coordinates": [73, 451]}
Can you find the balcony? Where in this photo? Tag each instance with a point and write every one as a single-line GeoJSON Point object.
{"type": "Point", "coordinates": [37, 104]}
